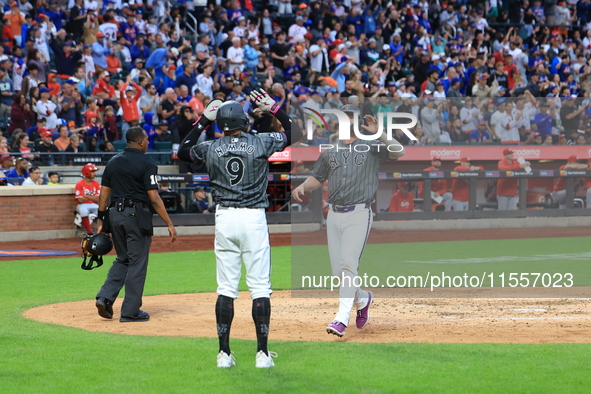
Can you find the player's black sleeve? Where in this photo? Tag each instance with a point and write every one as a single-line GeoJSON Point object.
{"type": "Point", "coordinates": [191, 139]}
{"type": "Point", "coordinates": [292, 130]}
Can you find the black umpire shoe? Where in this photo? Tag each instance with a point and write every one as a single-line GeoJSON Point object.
{"type": "Point", "coordinates": [140, 316]}
{"type": "Point", "coordinates": [105, 307]}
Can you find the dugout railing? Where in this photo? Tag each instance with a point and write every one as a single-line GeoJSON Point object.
{"type": "Point", "coordinates": [313, 211]}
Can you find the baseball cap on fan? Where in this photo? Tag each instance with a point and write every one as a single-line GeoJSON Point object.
{"type": "Point", "coordinates": [4, 158]}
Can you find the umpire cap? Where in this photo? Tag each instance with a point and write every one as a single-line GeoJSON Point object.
{"type": "Point", "coordinates": [231, 117]}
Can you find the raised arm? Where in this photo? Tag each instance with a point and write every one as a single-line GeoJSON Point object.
{"type": "Point", "coordinates": [266, 104]}
{"type": "Point", "coordinates": [202, 124]}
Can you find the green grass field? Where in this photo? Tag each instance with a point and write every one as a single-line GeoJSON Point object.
{"type": "Point", "coordinates": [488, 259]}
{"type": "Point", "coordinates": [45, 358]}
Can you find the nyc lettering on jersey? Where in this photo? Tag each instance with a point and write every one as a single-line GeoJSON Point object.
{"type": "Point", "coordinates": [358, 159]}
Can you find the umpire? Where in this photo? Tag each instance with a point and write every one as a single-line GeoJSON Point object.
{"type": "Point", "coordinates": [129, 189]}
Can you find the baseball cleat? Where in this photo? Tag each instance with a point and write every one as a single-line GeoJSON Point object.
{"type": "Point", "coordinates": [265, 360]}
{"type": "Point", "coordinates": [336, 328]}
{"type": "Point", "coordinates": [363, 314]}
{"type": "Point", "coordinates": [225, 360]}
{"type": "Point", "coordinates": [105, 307]}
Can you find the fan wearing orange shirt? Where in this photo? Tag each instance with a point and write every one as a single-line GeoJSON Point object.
{"type": "Point", "coordinates": [130, 95]}
{"type": "Point", "coordinates": [511, 70]}
{"type": "Point", "coordinates": [559, 192]}
{"type": "Point", "coordinates": [87, 195]}
{"type": "Point", "coordinates": [438, 187]}
{"type": "Point", "coordinates": [402, 200]}
{"type": "Point", "coordinates": [507, 187]}
{"type": "Point", "coordinates": [459, 187]}
{"type": "Point", "coordinates": [17, 20]}
{"type": "Point", "coordinates": [53, 85]}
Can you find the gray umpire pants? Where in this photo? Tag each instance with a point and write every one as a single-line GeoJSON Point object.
{"type": "Point", "coordinates": [129, 269]}
{"type": "Point", "coordinates": [507, 203]}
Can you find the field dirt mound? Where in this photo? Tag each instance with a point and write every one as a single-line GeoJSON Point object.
{"type": "Point", "coordinates": [430, 320]}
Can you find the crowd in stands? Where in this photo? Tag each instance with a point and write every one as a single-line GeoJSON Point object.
{"type": "Point", "coordinates": [76, 74]}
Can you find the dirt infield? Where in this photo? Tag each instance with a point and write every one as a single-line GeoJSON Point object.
{"type": "Point", "coordinates": [443, 320]}
{"type": "Point", "coordinates": [392, 320]}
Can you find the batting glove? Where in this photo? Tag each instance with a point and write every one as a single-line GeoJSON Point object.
{"type": "Point", "coordinates": [264, 101]}
{"type": "Point", "coordinates": [212, 110]}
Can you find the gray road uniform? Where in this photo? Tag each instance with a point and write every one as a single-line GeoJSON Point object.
{"type": "Point", "coordinates": [352, 174]}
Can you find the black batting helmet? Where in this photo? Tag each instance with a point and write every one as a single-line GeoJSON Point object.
{"type": "Point", "coordinates": [231, 117]}
{"type": "Point", "coordinates": [95, 246]}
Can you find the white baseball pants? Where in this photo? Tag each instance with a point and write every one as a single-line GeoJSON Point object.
{"type": "Point", "coordinates": [284, 7]}
{"type": "Point", "coordinates": [347, 235]}
{"type": "Point", "coordinates": [460, 205]}
{"type": "Point", "coordinates": [241, 234]}
{"type": "Point", "coordinates": [507, 203]}
{"type": "Point", "coordinates": [559, 197]}
{"type": "Point", "coordinates": [86, 209]}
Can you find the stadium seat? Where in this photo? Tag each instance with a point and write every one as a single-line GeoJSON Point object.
{"type": "Point", "coordinates": [119, 145]}
{"type": "Point", "coordinates": [83, 147]}
{"type": "Point", "coordinates": [162, 146]}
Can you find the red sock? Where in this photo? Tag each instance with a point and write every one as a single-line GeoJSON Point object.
{"type": "Point", "coordinates": [86, 224]}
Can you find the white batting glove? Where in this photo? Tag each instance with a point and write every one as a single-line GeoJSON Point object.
{"type": "Point", "coordinates": [264, 101]}
{"type": "Point", "coordinates": [212, 110]}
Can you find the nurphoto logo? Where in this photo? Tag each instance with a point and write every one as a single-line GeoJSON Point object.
{"type": "Point", "coordinates": [345, 127]}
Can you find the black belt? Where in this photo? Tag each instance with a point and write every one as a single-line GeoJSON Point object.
{"type": "Point", "coordinates": [125, 202]}
{"type": "Point", "coordinates": [347, 208]}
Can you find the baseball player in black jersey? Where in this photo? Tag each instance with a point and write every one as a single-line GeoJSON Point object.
{"type": "Point", "coordinates": [351, 168]}
{"type": "Point", "coordinates": [238, 166]}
